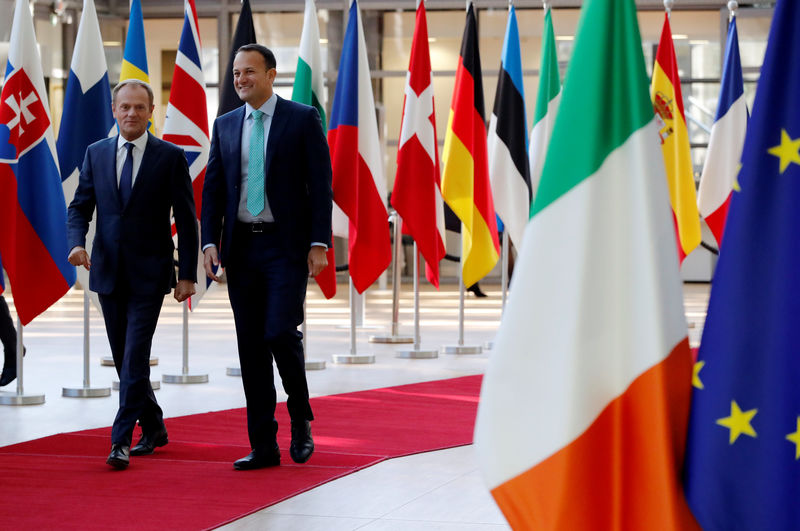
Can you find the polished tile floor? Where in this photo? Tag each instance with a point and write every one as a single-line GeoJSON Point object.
{"type": "Point", "coordinates": [438, 490]}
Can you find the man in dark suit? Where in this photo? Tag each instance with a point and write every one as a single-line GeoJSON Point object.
{"type": "Point", "coordinates": [135, 180]}
{"type": "Point", "coordinates": [267, 218]}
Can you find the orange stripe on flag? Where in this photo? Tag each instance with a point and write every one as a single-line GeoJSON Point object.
{"type": "Point", "coordinates": [623, 471]}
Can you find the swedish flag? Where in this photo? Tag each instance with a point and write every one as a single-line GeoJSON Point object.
{"type": "Point", "coordinates": [743, 453]}
{"type": "Point", "coordinates": [134, 59]}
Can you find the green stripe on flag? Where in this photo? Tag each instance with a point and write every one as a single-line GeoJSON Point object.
{"type": "Point", "coordinates": [549, 77]}
{"type": "Point", "coordinates": [605, 99]}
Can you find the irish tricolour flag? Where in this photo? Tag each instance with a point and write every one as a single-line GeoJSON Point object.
{"type": "Point", "coordinates": [583, 411]}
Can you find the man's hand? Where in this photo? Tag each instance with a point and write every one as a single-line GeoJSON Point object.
{"type": "Point", "coordinates": [317, 260]}
{"type": "Point", "coordinates": [79, 257]}
{"type": "Point", "coordinates": [211, 261]}
{"type": "Point", "coordinates": [184, 290]}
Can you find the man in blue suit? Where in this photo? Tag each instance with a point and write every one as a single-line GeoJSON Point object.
{"type": "Point", "coordinates": [267, 218]}
{"type": "Point", "coordinates": [135, 180]}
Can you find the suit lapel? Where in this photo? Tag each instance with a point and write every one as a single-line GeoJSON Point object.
{"type": "Point", "coordinates": [231, 139]}
{"type": "Point", "coordinates": [279, 119]}
{"type": "Point", "coordinates": [108, 171]}
{"type": "Point", "coordinates": [148, 161]}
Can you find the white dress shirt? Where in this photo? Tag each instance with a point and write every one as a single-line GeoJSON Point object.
{"type": "Point", "coordinates": [138, 152]}
{"type": "Point", "coordinates": [268, 108]}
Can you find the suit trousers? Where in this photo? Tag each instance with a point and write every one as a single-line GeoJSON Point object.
{"type": "Point", "coordinates": [130, 323]}
{"type": "Point", "coordinates": [8, 333]}
{"type": "Point", "coordinates": [267, 290]}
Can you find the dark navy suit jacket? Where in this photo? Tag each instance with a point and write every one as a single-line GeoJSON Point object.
{"type": "Point", "coordinates": [297, 179]}
{"type": "Point", "coordinates": [133, 245]}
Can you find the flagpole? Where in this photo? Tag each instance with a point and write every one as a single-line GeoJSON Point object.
{"type": "Point", "coordinates": [504, 265]}
{"type": "Point", "coordinates": [353, 358]}
{"type": "Point", "coordinates": [417, 353]}
{"type": "Point", "coordinates": [87, 391]}
{"type": "Point", "coordinates": [668, 7]}
{"type": "Point", "coordinates": [20, 399]}
{"type": "Point", "coordinates": [733, 6]}
{"type": "Point", "coordinates": [461, 348]}
{"type": "Point", "coordinates": [184, 377]}
{"type": "Point", "coordinates": [311, 364]}
{"type": "Point", "coordinates": [395, 337]}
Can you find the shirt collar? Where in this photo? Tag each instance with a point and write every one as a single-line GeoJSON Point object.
{"type": "Point", "coordinates": [267, 108]}
{"type": "Point", "coordinates": [140, 142]}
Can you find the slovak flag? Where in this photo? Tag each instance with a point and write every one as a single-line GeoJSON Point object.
{"type": "Point", "coordinates": [417, 193]}
{"type": "Point", "coordinates": [186, 124]}
{"type": "Point", "coordinates": [359, 187]}
{"type": "Point", "coordinates": [33, 214]}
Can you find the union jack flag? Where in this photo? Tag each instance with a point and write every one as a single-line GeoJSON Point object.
{"type": "Point", "coordinates": [186, 124]}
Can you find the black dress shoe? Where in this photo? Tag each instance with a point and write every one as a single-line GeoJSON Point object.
{"type": "Point", "coordinates": [119, 456]}
{"type": "Point", "coordinates": [475, 289]}
{"type": "Point", "coordinates": [150, 442]}
{"type": "Point", "coordinates": [10, 369]}
{"type": "Point", "coordinates": [257, 459]}
{"type": "Point", "coordinates": [302, 444]}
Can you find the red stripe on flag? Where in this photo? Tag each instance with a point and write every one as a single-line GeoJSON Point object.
{"type": "Point", "coordinates": [192, 102]}
{"type": "Point", "coordinates": [37, 282]}
{"type": "Point", "coordinates": [716, 220]}
{"type": "Point", "coordinates": [665, 57]}
{"type": "Point", "coordinates": [326, 280]}
{"type": "Point", "coordinates": [482, 186]}
{"type": "Point", "coordinates": [181, 140]}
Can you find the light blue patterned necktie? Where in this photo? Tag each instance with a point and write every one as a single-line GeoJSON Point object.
{"type": "Point", "coordinates": [255, 166]}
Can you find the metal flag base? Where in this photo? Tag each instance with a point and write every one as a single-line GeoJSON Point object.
{"type": "Point", "coordinates": [185, 378]}
{"type": "Point", "coordinates": [85, 392]}
{"type": "Point", "coordinates": [315, 365]}
{"type": "Point", "coordinates": [463, 349]}
{"type": "Point", "coordinates": [21, 400]}
{"type": "Point", "coordinates": [354, 359]}
{"type": "Point", "coordinates": [155, 384]}
{"type": "Point", "coordinates": [417, 354]}
{"type": "Point", "coordinates": [108, 361]}
{"type": "Point", "coordinates": [394, 340]}
{"type": "Point", "coordinates": [233, 371]}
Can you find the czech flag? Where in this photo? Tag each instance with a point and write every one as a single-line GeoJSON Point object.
{"type": "Point", "coordinates": [359, 186]}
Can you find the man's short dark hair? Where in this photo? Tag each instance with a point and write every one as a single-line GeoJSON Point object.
{"type": "Point", "coordinates": [269, 57]}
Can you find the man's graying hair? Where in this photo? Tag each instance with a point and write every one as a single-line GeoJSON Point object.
{"type": "Point", "coordinates": [138, 82]}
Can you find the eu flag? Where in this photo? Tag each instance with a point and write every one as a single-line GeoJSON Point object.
{"type": "Point", "coordinates": [743, 449]}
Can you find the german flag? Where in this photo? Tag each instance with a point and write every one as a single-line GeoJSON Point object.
{"type": "Point", "coordinates": [465, 179]}
{"type": "Point", "coordinates": [665, 92]}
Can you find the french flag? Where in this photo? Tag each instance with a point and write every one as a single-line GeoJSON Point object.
{"type": "Point", "coordinates": [87, 114]}
{"type": "Point", "coordinates": [33, 214]}
{"type": "Point", "coordinates": [725, 144]}
{"type": "Point", "coordinates": [359, 187]}
{"type": "Point", "coordinates": [186, 124]}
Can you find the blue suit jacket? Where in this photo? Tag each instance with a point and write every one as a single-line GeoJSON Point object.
{"type": "Point", "coordinates": [297, 179]}
{"type": "Point", "coordinates": [133, 245]}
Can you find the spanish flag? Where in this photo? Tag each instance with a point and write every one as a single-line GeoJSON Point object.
{"type": "Point", "coordinates": [665, 93]}
{"type": "Point", "coordinates": [465, 179]}
{"type": "Point", "coordinates": [134, 58]}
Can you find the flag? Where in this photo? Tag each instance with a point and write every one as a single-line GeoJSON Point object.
{"type": "Point", "coordinates": [134, 58]}
{"type": "Point", "coordinates": [33, 214]}
{"type": "Point", "coordinates": [309, 88]}
{"type": "Point", "coordinates": [186, 124]}
{"type": "Point", "coordinates": [547, 101]}
{"type": "Point", "coordinates": [725, 144]}
{"type": "Point", "coordinates": [87, 114]}
{"type": "Point", "coordinates": [245, 33]}
{"type": "Point", "coordinates": [507, 143]}
{"type": "Point", "coordinates": [665, 94]}
{"type": "Point", "coordinates": [743, 450]}
{"type": "Point", "coordinates": [359, 187]}
{"type": "Point", "coordinates": [583, 411]}
{"type": "Point", "coordinates": [465, 178]}
{"type": "Point", "coordinates": [417, 194]}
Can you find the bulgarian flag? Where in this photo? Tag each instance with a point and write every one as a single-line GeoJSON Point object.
{"type": "Point", "coordinates": [583, 412]}
{"type": "Point", "coordinates": [665, 93]}
{"type": "Point", "coordinates": [309, 88]}
{"type": "Point", "coordinates": [465, 177]}
{"type": "Point", "coordinates": [547, 100]}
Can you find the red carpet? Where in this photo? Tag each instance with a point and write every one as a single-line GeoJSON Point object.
{"type": "Point", "coordinates": [62, 481]}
